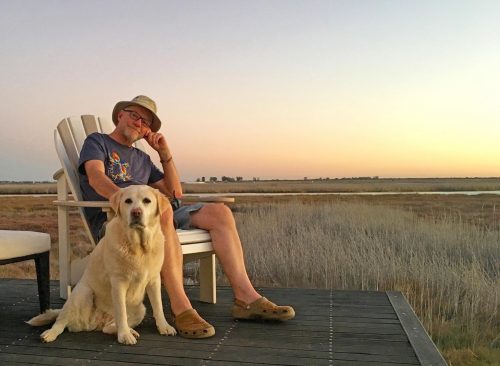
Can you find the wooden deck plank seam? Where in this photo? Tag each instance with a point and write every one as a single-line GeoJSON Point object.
{"type": "Point", "coordinates": [330, 336]}
{"type": "Point", "coordinates": [219, 344]}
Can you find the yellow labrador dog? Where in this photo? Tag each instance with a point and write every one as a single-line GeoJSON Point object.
{"type": "Point", "coordinates": [124, 265]}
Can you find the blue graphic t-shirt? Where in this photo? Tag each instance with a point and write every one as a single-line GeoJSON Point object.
{"type": "Point", "coordinates": [124, 165]}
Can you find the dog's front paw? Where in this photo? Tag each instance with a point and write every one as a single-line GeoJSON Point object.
{"type": "Point", "coordinates": [129, 337]}
{"type": "Point", "coordinates": [48, 336]}
{"type": "Point", "coordinates": [166, 329]}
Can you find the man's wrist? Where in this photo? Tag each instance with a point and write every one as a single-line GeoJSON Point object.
{"type": "Point", "coordinates": [166, 161]}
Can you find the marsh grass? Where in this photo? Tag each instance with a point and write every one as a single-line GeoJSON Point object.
{"type": "Point", "coordinates": [28, 188]}
{"type": "Point", "coordinates": [442, 252]}
{"type": "Point", "coordinates": [349, 185]}
{"type": "Point", "coordinates": [346, 185]}
{"type": "Point", "coordinates": [447, 269]}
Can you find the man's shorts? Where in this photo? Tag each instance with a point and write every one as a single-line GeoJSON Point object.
{"type": "Point", "coordinates": [182, 216]}
{"type": "Point", "coordinates": [182, 220]}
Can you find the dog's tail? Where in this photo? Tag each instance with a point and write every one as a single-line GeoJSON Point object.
{"type": "Point", "coordinates": [47, 317]}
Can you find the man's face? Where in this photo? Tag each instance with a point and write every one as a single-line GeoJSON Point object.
{"type": "Point", "coordinates": [134, 121]}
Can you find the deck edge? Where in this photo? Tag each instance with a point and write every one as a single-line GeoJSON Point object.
{"type": "Point", "coordinates": [422, 344]}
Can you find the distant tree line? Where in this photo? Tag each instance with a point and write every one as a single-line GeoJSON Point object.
{"type": "Point", "coordinates": [222, 179]}
{"type": "Point", "coordinates": [225, 178]}
{"type": "Point", "coordinates": [345, 178]}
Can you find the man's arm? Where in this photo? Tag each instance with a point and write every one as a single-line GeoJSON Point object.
{"type": "Point", "coordinates": [98, 179]}
{"type": "Point", "coordinates": [170, 185]}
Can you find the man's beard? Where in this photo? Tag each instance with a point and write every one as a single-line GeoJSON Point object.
{"type": "Point", "coordinates": [132, 135]}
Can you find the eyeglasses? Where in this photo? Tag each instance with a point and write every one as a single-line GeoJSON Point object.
{"type": "Point", "coordinates": [136, 116]}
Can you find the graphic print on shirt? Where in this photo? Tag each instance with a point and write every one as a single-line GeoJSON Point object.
{"type": "Point", "coordinates": [117, 169]}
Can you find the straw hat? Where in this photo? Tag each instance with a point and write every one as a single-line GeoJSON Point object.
{"type": "Point", "coordinates": [141, 101]}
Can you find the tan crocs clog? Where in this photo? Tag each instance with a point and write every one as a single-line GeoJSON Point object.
{"type": "Point", "coordinates": [262, 309]}
{"type": "Point", "coordinates": [190, 324]}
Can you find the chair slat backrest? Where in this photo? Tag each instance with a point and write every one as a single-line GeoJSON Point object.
{"type": "Point", "coordinates": [92, 124]}
{"type": "Point", "coordinates": [69, 137]}
{"type": "Point", "coordinates": [69, 147]}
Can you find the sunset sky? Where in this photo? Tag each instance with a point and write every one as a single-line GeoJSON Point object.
{"type": "Point", "coordinates": [269, 89]}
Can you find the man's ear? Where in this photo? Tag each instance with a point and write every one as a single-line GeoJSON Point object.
{"type": "Point", "coordinates": [163, 202]}
{"type": "Point", "coordinates": [115, 201]}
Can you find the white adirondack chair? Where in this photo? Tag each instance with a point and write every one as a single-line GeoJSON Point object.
{"type": "Point", "coordinates": [69, 137]}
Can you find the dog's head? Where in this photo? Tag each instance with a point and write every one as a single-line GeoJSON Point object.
{"type": "Point", "coordinates": [139, 206]}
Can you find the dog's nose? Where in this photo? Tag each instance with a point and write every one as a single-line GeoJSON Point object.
{"type": "Point", "coordinates": [136, 212]}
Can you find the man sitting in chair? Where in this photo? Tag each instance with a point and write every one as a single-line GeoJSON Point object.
{"type": "Point", "coordinates": [110, 162]}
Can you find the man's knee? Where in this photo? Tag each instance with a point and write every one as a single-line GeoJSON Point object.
{"type": "Point", "coordinates": [220, 213]}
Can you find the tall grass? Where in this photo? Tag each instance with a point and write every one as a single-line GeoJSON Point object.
{"type": "Point", "coordinates": [305, 186]}
{"type": "Point", "coordinates": [349, 185]}
{"type": "Point", "coordinates": [444, 255]}
{"type": "Point", "coordinates": [448, 270]}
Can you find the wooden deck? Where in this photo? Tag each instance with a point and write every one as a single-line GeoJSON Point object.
{"type": "Point", "coordinates": [341, 328]}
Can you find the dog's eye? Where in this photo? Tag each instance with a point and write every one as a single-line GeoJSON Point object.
{"type": "Point", "coordinates": [128, 201]}
{"type": "Point", "coordinates": [146, 200]}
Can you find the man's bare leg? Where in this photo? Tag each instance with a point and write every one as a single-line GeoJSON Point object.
{"type": "Point", "coordinates": [172, 272]}
{"type": "Point", "coordinates": [249, 304]}
{"type": "Point", "coordinates": [219, 221]}
{"type": "Point", "coordinates": [187, 321]}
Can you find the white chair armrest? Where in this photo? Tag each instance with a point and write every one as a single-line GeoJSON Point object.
{"type": "Point", "coordinates": [58, 174]}
{"type": "Point", "coordinates": [208, 199]}
{"type": "Point", "coordinates": [98, 204]}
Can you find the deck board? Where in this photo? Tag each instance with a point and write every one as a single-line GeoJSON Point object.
{"type": "Point", "coordinates": [341, 328]}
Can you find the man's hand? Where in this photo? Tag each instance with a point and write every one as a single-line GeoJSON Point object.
{"type": "Point", "coordinates": [158, 142]}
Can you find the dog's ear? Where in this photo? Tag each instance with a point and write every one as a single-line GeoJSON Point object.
{"type": "Point", "coordinates": [115, 201]}
{"type": "Point", "coordinates": [163, 202]}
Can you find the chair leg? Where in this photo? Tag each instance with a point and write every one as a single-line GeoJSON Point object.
{"type": "Point", "coordinates": [208, 280]}
{"type": "Point", "coordinates": [43, 279]}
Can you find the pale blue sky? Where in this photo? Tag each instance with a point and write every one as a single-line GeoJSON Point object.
{"type": "Point", "coordinates": [270, 89]}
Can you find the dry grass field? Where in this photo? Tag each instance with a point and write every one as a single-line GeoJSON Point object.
{"type": "Point", "coordinates": [303, 186]}
{"type": "Point", "coordinates": [441, 251]}
{"type": "Point", "coordinates": [28, 188]}
{"type": "Point", "coordinates": [348, 185]}
{"type": "Point", "coordinates": [448, 269]}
